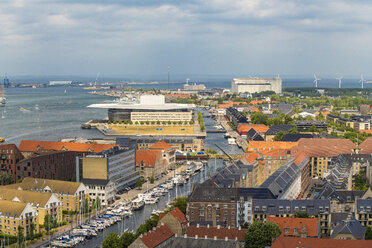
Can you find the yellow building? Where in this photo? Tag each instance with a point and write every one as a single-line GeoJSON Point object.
{"type": "Point", "coordinates": [70, 194]}
{"type": "Point", "coordinates": [43, 203]}
{"type": "Point", "coordinates": [14, 214]}
{"type": "Point", "coordinates": [265, 163]}
{"type": "Point", "coordinates": [320, 152]}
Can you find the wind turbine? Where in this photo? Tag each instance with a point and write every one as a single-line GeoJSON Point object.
{"type": "Point", "coordinates": [339, 81]}
{"type": "Point", "coordinates": [316, 81]}
{"type": "Point", "coordinates": [362, 81]}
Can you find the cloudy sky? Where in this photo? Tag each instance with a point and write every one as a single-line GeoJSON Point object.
{"type": "Point", "coordinates": [207, 37]}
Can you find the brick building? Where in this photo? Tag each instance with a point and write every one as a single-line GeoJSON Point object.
{"type": "Point", "coordinates": [216, 206]}
{"type": "Point", "coordinates": [9, 157]}
{"type": "Point", "coordinates": [58, 165]}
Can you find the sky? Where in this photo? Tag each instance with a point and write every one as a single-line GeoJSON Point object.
{"type": "Point", "coordinates": [194, 37]}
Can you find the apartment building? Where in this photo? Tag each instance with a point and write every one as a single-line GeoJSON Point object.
{"type": "Point", "coordinates": [70, 194]}
{"type": "Point", "coordinates": [43, 203]}
{"type": "Point", "coordinates": [321, 151]}
{"type": "Point", "coordinates": [14, 214]}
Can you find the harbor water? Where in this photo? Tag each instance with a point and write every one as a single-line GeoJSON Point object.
{"type": "Point", "coordinates": [52, 114]}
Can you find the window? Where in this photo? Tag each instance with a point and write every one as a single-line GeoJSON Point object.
{"type": "Point", "coordinates": [286, 230]}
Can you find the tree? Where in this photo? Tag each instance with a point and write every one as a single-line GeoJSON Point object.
{"type": "Point", "coordinates": [112, 241]}
{"type": "Point", "coordinates": [139, 183]}
{"type": "Point", "coordinates": [279, 136]}
{"type": "Point", "coordinates": [126, 239]}
{"type": "Point", "coordinates": [6, 178]}
{"type": "Point", "coordinates": [32, 231]}
{"type": "Point", "coordinates": [181, 203]}
{"type": "Point", "coordinates": [47, 222]}
{"type": "Point", "coordinates": [20, 236]}
{"type": "Point", "coordinates": [313, 128]}
{"type": "Point", "coordinates": [368, 235]}
{"type": "Point", "coordinates": [260, 234]}
{"type": "Point", "coordinates": [302, 215]}
{"type": "Point", "coordinates": [152, 180]}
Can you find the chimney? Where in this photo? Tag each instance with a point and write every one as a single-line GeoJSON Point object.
{"type": "Point", "coordinates": [218, 226]}
{"type": "Point", "coordinates": [215, 237]}
{"type": "Point", "coordinates": [206, 236]}
{"type": "Point", "coordinates": [240, 228]}
{"type": "Point", "coordinates": [175, 235]}
{"type": "Point", "coordinates": [228, 227]}
{"type": "Point", "coordinates": [208, 226]}
{"type": "Point", "coordinates": [197, 225]}
{"type": "Point", "coordinates": [226, 238]}
{"type": "Point", "coordinates": [196, 236]}
{"type": "Point", "coordinates": [185, 236]}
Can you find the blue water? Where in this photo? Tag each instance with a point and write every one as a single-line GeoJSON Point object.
{"type": "Point", "coordinates": [49, 114]}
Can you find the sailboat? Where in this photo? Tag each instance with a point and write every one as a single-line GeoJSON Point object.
{"type": "Point", "coordinates": [2, 96]}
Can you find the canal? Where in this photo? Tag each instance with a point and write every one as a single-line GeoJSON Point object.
{"type": "Point", "coordinates": [139, 217]}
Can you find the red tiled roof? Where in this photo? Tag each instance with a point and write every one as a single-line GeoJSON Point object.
{"type": "Point", "coordinates": [156, 237]}
{"type": "Point", "coordinates": [176, 213]}
{"type": "Point", "coordinates": [300, 157]}
{"type": "Point", "coordinates": [35, 145]}
{"type": "Point", "coordinates": [250, 157]}
{"type": "Point", "coordinates": [323, 147]}
{"type": "Point", "coordinates": [162, 145]}
{"type": "Point", "coordinates": [259, 128]}
{"type": "Point", "coordinates": [366, 146]}
{"type": "Point", "coordinates": [275, 154]}
{"type": "Point", "coordinates": [291, 242]}
{"type": "Point", "coordinates": [148, 157]}
{"type": "Point", "coordinates": [230, 104]}
{"type": "Point", "coordinates": [220, 233]}
{"type": "Point", "coordinates": [311, 225]}
{"type": "Point", "coordinates": [262, 146]}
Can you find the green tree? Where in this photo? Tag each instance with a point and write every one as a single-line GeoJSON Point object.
{"type": "Point", "coordinates": [139, 183]}
{"type": "Point", "coordinates": [368, 235]}
{"type": "Point", "coordinates": [32, 231]}
{"type": "Point", "coordinates": [279, 136]}
{"type": "Point", "coordinates": [152, 180]}
{"type": "Point", "coordinates": [6, 178]}
{"type": "Point", "coordinates": [313, 128]}
{"type": "Point", "coordinates": [112, 241]}
{"type": "Point", "coordinates": [302, 215]}
{"type": "Point", "coordinates": [293, 130]}
{"type": "Point", "coordinates": [20, 236]}
{"type": "Point", "coordinates": [260, 234]}
{"type": "Point", "coordinates": [115, 122]}
{"type": "Point", "coordinates": [360, 181]}
{"type": "Point", "coordinates": [47, 223]}
{"type": "Point", "coordinates": [126, 239]}
{"type": "Point", "coordinates": [181, 203]}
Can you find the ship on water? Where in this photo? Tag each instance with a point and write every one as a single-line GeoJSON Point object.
{"type": "Point", "coordinates": [2, 95]}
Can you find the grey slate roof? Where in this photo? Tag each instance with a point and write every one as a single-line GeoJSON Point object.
{"type": "Point", "coordinates": [213, 194]}
{"type": "Point", "coordinates": [294, 137]}
{"type": "Point", "coordinates": [99, 182]}
{"type": "Point", "coordinates": [282, 178]}
{"type": "Point", "coordinates": [364, 206]}
{"type": "Point", "coordinates": [312, 207]}
{"type": "Point", "coordinates": [255, 193]}
{"type": "Point", "coordinates": [271, 206]}
{"type": "Point", "coordinates": [349, 227]}
{"type": "Point", "coordinates": [275, 129]}
{"type": "Point", "coordinates": [181, 242]}
{"type": "Point", "coordinates": [253, 135]}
